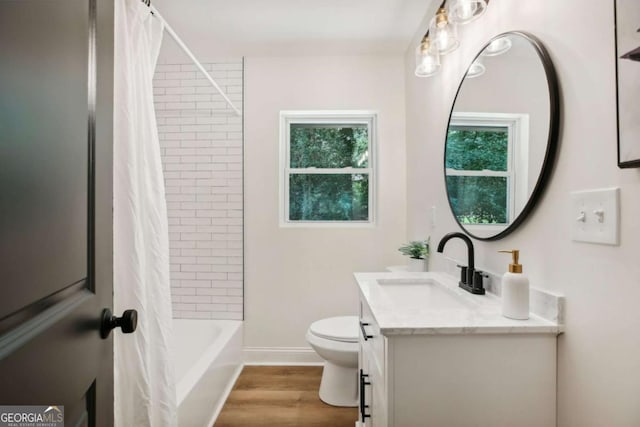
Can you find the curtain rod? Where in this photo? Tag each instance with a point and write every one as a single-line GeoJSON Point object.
{"type": "Point", "coordinates": [191, 56]}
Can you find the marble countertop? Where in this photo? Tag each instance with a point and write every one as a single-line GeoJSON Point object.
{"type": "Point", "coordinates": [475, 314]}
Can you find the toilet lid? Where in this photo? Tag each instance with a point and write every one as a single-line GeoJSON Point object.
{"type": "Point", "coordinates": [343, 328]}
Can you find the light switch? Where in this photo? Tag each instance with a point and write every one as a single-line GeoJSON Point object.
{"type": "Point", "coordinates": [595, 216]}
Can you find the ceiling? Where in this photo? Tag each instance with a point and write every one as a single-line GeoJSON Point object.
{"type": "Point", "coordinates": [294, 27]}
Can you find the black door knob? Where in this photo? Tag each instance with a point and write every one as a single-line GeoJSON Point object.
{"type": "Point", "coordinates": [127, 323]}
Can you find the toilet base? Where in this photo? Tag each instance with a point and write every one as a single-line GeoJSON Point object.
{"type": "Point", "coordinates": [339, 385]}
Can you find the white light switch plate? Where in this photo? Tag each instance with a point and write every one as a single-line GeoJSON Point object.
{"type": "Point", "coordinates": [595, 215]}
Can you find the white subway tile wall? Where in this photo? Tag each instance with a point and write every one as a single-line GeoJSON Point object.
{"type": "Point", "coordinates": [201, 147]}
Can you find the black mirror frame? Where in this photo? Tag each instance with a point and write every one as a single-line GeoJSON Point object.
{"type": "Point", "coordinates": [552, 140]}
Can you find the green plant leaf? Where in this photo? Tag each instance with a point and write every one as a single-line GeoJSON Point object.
{"type": "Point", "coordinates": [416, 249]}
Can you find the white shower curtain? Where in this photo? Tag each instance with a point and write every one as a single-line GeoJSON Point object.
{"type": "Point", "coordinates": [144, 382]}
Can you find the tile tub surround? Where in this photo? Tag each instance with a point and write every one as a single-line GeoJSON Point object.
{"type": "Point", "coordinates": [201, 147]}
{"type": "Point", "coordinates": [482, 317]}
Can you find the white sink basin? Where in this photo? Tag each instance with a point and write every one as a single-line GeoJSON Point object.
{"type": "Point", "coordinates": [425, 294]}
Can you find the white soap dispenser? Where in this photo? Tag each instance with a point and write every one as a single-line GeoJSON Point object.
{"type": "Point", "coordinates": [515, 290]}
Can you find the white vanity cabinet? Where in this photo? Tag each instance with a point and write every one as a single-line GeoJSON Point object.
{"type": "Point", "coordinates": [417, 377]}
{"type": "Point", "coordinates": [372, 371]}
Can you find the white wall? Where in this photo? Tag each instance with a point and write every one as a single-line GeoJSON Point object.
{"type": "Point", "coordinates": [599, 355]}
{"type": "Point", "coordinates": [294, 276]}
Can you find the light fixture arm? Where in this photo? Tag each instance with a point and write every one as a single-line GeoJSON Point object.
{"type": "Point", "coordinates": [425, 38]}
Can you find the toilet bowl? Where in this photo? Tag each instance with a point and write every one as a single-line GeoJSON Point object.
{"type": "Point", "coordinates": [335, 339]}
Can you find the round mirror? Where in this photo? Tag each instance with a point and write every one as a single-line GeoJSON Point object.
{"type": "Point", "coordinates": [502, 136]}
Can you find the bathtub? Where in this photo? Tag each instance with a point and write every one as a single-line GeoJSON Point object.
{"type": "Point", "coordinates": [208, 360]}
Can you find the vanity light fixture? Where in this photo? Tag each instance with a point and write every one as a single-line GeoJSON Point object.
{"type": "Point", "coordinates": [442, 36]}
{"type": "Point", "coordinates": [476, 69]}
{"type": "Point", "coordinates": [427, 58]}
{"type": "Point", "coordinates": [497, 47]}
{"type": "Point", "coordinates": [465, 11]}
{"type": "Point", "coordinates": [444, 32]}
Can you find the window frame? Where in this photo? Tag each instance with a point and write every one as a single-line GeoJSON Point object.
{"type": "Point", "coordinates": [517, 173]}
{"type": "Point", "coordinates": [329, 117]}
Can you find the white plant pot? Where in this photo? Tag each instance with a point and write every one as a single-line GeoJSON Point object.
{"type": "Point", "coordinates": [418, 265]}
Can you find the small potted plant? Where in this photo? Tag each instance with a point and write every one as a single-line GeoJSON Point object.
{"type": "Point", "coordinates": [418, 253]}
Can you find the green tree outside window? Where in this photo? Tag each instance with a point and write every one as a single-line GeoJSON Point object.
{"type": "Point", "coordinates": [335, 195]}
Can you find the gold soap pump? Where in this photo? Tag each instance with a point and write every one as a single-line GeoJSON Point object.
{"type": "Point", "coordinates": [514, 267]}
{"type": "Point", "coordinates": [515, 289]}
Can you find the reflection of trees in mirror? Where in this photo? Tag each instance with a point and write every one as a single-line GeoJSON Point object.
{"type": "Point", "coordinates": [333, 196]}
{"type": "Point", "coordinates": [477, 149]}
{"type": "Point", "coordinates": [476, 162]}
{"type": "Point", "coordinates": [478, 200]}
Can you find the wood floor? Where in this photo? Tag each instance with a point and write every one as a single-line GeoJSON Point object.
{"type": "Point", "coordinates": [281, 396]}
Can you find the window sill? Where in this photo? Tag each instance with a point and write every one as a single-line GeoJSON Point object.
{"type": "Point", "coordinates": [327, 224]}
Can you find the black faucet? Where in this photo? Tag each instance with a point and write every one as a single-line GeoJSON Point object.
{"type": "Point", "coordinates": [470, 279]}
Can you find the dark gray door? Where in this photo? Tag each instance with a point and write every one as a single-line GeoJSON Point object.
{"type": "Point", "coordinates": [56, 93]}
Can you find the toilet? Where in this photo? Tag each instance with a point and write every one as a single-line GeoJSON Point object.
{"type": "Point", "coordinates": [335, 339]}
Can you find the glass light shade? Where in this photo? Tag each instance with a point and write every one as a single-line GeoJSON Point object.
{"type": "Point", "coordinates": [465, 11]}
{"type": "Point", "coordinates": [427, 60]}
{"type": "Point", "coordinates": [443, 33]}
{"type": "Point", "coordinates": [497, 47]}
{"type": "Point", "coordinates": [476, 69]}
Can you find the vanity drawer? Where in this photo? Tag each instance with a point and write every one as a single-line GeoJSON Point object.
{"type": "Point", "coordinates": [371, 339]}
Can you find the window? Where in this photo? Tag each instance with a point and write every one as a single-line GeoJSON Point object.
{"type": "Point", "coordinates": [486, 167]}
{"type": "Point", "coordinates": [327, 168]}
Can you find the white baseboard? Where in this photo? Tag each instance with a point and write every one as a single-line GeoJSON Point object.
{"type": "Point", "coordinates": [281, 356]}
